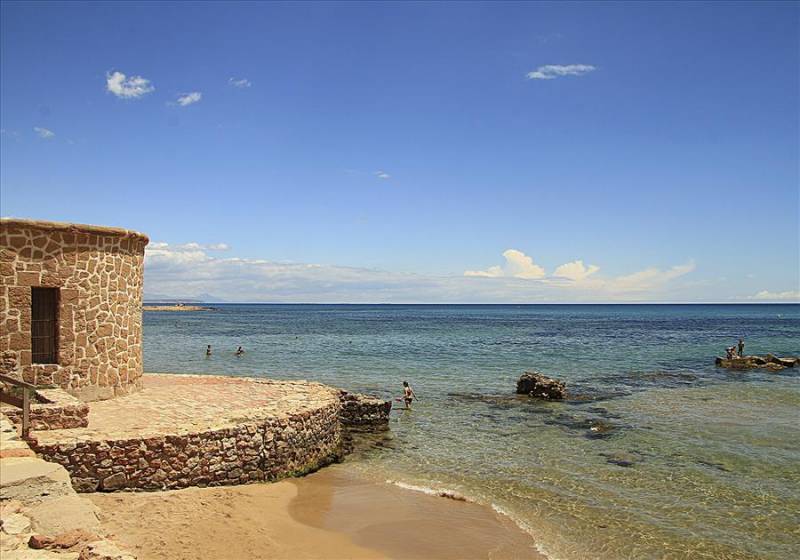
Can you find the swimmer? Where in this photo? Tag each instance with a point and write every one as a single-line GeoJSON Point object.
{"type": "Point", "coordinates": [408, 394]}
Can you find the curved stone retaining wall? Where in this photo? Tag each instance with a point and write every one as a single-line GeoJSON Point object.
{"type": "Point", "coordinates": [264, 450]}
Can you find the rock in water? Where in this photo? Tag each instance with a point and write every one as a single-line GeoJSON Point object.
{"type": "Point", "coordinates": [784, 362]}
{"type": "Point", "coordinates": [748, 362]}
{"type": "Point", "coordinates": [540, 386]}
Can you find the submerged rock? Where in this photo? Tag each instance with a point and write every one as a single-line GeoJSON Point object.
{"type": "Point", "coordinates": [622, 458]}
{"type": "Point", "coordinates": [540, 386]}
{"type": "Point", "coordinates": [600, 429]}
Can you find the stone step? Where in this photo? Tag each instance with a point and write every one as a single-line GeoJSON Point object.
{"type": "Point", "coordinates": [31, 480]}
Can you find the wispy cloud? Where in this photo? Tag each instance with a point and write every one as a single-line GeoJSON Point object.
{"type": "Point", "coordinates": [44, 133]}
{"type": "Point", "coordinates": [189, 98]}
{"type": "Point", "coordinates": [182, 247]}
{"type": "Point", "coordinates": [553, 71]}
{"type": "Point", "coordinates": [790, 295]}
{"type": "Point", "coordinates": [642, 281]}
{"type": "Point", "coordinates": [11, 134]}
{"type": "Point", "coordinates": [128, 88]}
{"type": "Point", "coordinates": [382, 175]}
{"type": "Point", "coordinates": [576, 275]}
{"type": "Point", "coordinates": [192, 269]}
{"type": "Point", "coordinates": [548, 37]}
{"type": "Point", "coordinates": [239, 82]}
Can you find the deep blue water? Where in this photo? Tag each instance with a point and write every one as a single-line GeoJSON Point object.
{"type": "Point", "coordinates": [692, 461]}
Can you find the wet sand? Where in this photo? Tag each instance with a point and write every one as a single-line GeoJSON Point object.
{"type": "Point", "coordinates": [330, 514]}
{"type": "Point", "coordinates": [402, 523]}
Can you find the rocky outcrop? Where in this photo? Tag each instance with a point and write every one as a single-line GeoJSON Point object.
{"type": "Point", "coordinates": [540, 386]}
{"type": "Point", "coordinates": [750, 362]}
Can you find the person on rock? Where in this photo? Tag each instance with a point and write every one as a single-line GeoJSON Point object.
{"type": "Point", "coordinates": [741, 347]}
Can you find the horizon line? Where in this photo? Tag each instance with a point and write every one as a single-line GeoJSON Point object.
{"type": "Point", "coordinates": [176, 300]}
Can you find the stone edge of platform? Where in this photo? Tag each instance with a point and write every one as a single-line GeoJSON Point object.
{"type": "Point", "coordinates": [32, 494]}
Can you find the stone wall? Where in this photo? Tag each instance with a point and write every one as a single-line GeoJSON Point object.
{"type": "Point", "coordinates": [263, 450]}
{"type": "Point", "coordinates": [8, 362]}
{"type": "Point", "coordinates": [52, 409]}
{"type": "Point", "coordinates": [41, 517]}
{"type": "Point", "coordinates": [362, 411]}
{"type": "Point", "coordinates": [99, 273]}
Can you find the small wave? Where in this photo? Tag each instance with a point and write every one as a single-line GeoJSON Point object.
{"type": "Point", "coordinates": [441, 493]}
{"type": "Point", "coordinates": [447, 493]}
{"type": "Point", "coordinates": [527, 529]}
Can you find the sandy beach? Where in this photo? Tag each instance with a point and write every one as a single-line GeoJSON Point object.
{"type": "Point", "coordinates": [330, 514]}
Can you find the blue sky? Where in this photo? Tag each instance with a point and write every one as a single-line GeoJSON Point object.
{"type": "Point", "coordinates": [417, 152]}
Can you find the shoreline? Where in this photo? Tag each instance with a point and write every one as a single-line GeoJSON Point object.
{"type": "Point", "coordinates": [332, 513]}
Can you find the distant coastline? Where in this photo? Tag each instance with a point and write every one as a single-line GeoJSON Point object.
{"type": "Point", "coordinates": [175, 307]}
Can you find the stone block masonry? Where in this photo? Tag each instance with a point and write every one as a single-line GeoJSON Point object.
{"type": "Point", "coordinates": [202, 430]}
{"type": "Point", "coordinates": [41, 517]}
{"type": "Point", "coordinates": [53, 409]}
{"type": "Point", "coordinates": [363, 412]}
{"type": "Point", "coordinates": [252, 452]}
{"type": "Point", "coordinates": [96, 272]}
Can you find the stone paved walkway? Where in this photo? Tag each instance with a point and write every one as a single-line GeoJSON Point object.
{"type": "Point", "coordinates": [182, 404]}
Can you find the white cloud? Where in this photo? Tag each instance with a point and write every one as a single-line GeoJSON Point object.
{"type": "Point", "coordinates": [552, 71]}
{"type": "Point", "coordinates": [790, 295]}
{"type": "Point", "coordinates": [239, 82]}
{"type": "Point", "coordinates": [576, 276]}
{"type": "Point", "coordinates": [192, 246]}
{"type": "Point", "coordinates": [189, 98]}
{"type": "Point", "coordinates": [517, 265]}
{"type": "Point", "coordinates": [491, 272]}
{"type": "Point", "coordinates": [645, 280]}
{"type": "Point", "coordinates": [382, 175]}
{"type": "Point", "coordinates": [575, 271]}
{"type": "Point", "coordinates": [192, 269]}
{"type": "Point", "coordinates": [44, 133]}
{"type": "Point", "coordinates": [128, 88]}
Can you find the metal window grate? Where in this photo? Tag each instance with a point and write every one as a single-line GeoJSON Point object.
{"type": "Point", "coordinates": [44, 325]}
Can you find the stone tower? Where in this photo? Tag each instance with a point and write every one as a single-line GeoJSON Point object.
{"type": "Point", "coordinates": [71, 306]}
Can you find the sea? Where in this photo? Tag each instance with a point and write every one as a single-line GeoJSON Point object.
{"type": "Point", "coordinates": [657, 453]}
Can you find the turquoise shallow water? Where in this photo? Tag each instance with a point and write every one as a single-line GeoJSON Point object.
{"type": "Point", "coordinates": [685, 460]}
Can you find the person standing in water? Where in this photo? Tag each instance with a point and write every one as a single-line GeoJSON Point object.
{"type": "Point", "coordinates": [208, 350]}
{"type": "Point", "coordinates": [408, 394]}
{"type": "Point", "coordinates": [741, 348]}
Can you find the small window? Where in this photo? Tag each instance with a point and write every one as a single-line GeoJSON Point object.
{"type": "Point", "coordinates": [44, 325]}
